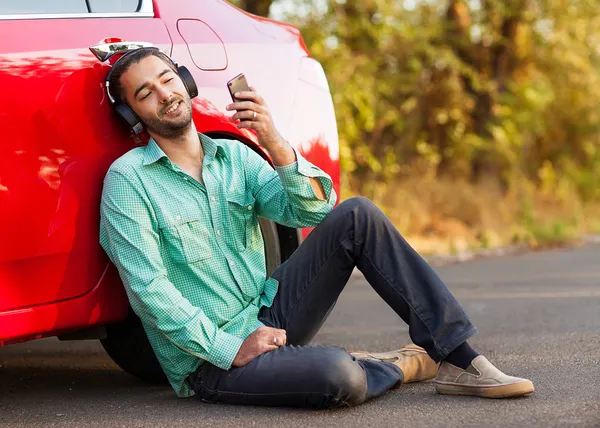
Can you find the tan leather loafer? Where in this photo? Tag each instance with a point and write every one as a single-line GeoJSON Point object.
{"type": "Point", "coordinates": [415, 363]}
{"type": "Point", "coordinates": [481, 379]}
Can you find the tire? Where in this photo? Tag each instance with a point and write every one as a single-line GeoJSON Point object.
{"type": "Point", "coordinates": [126, 342]}
{"type": "Point", "coordinates": [127, 345]}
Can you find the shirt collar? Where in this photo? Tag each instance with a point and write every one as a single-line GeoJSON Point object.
{"type": "Point", "coordinates": [212, 147]}
{"type": "Point", "coordinates": [153, 152]}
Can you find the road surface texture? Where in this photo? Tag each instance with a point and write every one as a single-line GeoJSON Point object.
{"type": "Point", "coordinates": [538, 316]}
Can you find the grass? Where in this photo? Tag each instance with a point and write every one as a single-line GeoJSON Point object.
{"type": "Point", "coordinates": [449, 217]}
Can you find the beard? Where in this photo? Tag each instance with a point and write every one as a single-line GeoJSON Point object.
{"type": "Point", "coordinates": [171, 128]}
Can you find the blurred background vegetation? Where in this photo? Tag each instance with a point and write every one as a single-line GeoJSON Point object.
{"type": "Point", "coordinates": [472, 123]}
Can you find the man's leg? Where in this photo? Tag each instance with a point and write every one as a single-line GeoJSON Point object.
{"type": "Point", "coordinates": [358, 234]}
{"type": "Point", "coordinates": [318, 377]}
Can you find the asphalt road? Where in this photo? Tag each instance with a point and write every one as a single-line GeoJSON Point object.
{"type": "Point", "coordinates": [538, 316]}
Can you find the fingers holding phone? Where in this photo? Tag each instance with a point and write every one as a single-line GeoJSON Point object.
{"type": "Point", "coordinates": [251, 111]}
{"type": "Point", "coordinates": [246, 101]}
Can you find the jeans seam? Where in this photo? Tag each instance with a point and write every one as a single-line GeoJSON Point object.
{"type": "Point", "coordinates": [439, 348]}
{"type": "Point", "coordinates": [312, 281]}
{"type": "Point", "coordinates": [266, 394]}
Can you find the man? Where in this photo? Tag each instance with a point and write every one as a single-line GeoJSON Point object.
{"type": "Point", "coordinates": [179, 220]}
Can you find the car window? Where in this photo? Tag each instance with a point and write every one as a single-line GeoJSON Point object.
{"type": "Point", "coordinates": [26, 7]}
{"type": "Point", "coordinates": [114, 6]}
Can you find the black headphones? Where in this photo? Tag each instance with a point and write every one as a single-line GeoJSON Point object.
{"type": "Point", "coordinates": [125, 112]}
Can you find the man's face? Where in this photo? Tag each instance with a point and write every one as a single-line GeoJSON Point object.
{"type": "Point", "coordinates": [158, 96]}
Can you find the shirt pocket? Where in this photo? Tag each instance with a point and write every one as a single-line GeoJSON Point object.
{"type": "Point", "coordinates": [241, 216]}
{"type": "Point", "coordinates": [187, 241]}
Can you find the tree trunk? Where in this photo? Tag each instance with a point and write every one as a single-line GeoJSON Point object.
{"type": "Point", "coordinates": [503, 66]}
{"type": "Point", "coordinates": [497, 61]}
{"type": "Point", "coordinates": [256, 7]}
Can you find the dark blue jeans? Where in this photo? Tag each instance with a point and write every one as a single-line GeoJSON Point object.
{"type": "Point", "coordinates": [355, 234]}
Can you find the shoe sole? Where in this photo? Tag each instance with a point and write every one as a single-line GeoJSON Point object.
{"type": "Point", "coordinates": [505, 391]}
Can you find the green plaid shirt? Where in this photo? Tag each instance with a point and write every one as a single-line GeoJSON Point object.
{"type": "Point", "coordinates": [191, 257]}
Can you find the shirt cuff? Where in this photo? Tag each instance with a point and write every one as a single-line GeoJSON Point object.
{"type": "Point", "coordinates": [269, 291]}
{"type": "Point", "coordinates": [293, 176]}
{"type": "Point", "coordinates": [224, 350]}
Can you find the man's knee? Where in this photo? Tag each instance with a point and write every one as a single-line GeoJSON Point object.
{"type": "Point", "coordinates": [343, 378]}
{"type": "Point", "coordinates": [358, 206]}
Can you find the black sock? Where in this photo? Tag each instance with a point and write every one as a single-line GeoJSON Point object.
{"type": "Point", "coordinates": [462, 356]}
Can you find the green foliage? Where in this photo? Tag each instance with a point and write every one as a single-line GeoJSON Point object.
{"type": "Point", "coordinates": [479, 90]}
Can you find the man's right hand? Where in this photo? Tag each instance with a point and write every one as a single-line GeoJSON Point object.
{"type": "Point", "coordinates": [263, 339]}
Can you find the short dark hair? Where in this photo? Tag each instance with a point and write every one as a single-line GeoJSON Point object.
{"type": "Point", "coordinates": [128, 59]}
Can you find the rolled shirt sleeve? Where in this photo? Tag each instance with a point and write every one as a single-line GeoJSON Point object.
{"type": "Point", "coordinates": [285, 195]}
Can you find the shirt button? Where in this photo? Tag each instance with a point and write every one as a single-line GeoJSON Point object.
{"type": "Point", "coordinates": [249, 207]}
{"type": "Point", "coordinates": [178, 218]}
{"type": "Point", "coordinates": [212, 198]}
{"type": "Point", "coordinates": [218, 233]}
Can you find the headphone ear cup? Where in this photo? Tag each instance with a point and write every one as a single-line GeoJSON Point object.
{"type": "Point", "coordinates": [129, 117]}
{"type": "Point", "coordinates": [188, 81]}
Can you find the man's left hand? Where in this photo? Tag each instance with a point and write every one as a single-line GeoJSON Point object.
{"type": "Point", "coordinates": [253, 113]}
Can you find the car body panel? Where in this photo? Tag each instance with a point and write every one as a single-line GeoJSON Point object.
{"type": "Point", "coordinates": [204, 45]}
{"type": "Point", "coordinates": [60, 137]}
{"type": "Point", "coordinates": [57, 145]}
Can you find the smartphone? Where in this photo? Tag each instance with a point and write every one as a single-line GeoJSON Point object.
{"type": "Point", "coordinates": [237, 84]}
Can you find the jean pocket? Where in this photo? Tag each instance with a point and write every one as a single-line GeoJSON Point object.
{"type": "Point", "coordinates": [188, 241]}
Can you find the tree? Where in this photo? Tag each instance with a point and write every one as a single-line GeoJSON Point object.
{"type": "Point", "coordinates": [501, 90]}
{"type": "Point", "coordinates": [256, 7]}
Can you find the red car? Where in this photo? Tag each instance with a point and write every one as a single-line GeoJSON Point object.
{"type": "Point", "coordinates": [60, 136]}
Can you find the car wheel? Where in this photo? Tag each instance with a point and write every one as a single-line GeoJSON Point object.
{"type": "Point", "coordinates": [127, 345]}
{"type": "Point", "coordinates": [126, 342]}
